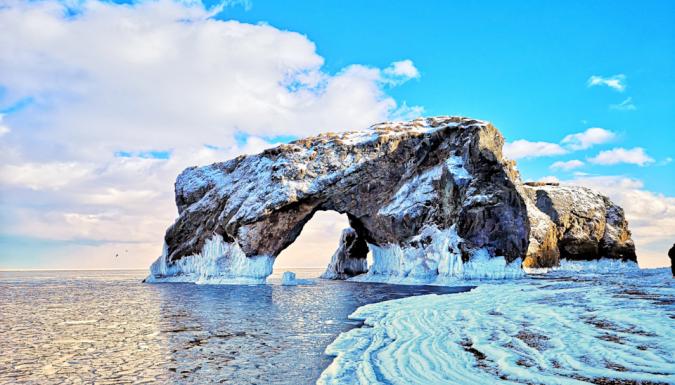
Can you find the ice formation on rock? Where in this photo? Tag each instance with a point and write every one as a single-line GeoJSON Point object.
{"type": "Point", "coordinates": [431, 198]}
{"type": "Point", "coordinates": [218, 263]}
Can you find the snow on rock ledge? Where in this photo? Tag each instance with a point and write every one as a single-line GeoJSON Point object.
{"type": "Point", "coordinates": [432, 197]}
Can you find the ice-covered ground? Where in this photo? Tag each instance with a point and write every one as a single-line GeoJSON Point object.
{"type": "Point", "coordinates": [602, 323]}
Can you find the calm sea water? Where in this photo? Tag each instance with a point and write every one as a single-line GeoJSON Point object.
{"type": "Point", "coordinates": [108, 327]}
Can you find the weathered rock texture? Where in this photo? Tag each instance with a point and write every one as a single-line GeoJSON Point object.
{"type": "Point", "coordinates": [588, 225]}
{"type": "Point", "coordinates": [429, 197]}
{"type": "Point", "coordinates": [349, 259]}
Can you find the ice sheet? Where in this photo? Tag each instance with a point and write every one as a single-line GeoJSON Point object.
{"type": "Point", "coordinates": [591, 324]}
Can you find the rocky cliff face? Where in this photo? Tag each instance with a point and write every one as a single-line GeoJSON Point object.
{"type": "Point", "coordinates": [588, 225]}
{"type": "Point", "coordinates": [349, 259]}
{"type": "Point", "coordinates": [430, 197]}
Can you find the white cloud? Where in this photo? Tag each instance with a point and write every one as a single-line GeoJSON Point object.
{"type": "Point", "coordinates": [121, 77]}
{"type": "Point", "coordinates": [4, 129]}
{"type": "Point", "coordinates": [43, 176]}
{"type": "Point", "coordinates": [616, 82]}
{"type": "Point", "coordinates": [588, 138]}
{"type": "Point", "coordinates": [651, 216]}
{"type": "Point", "coordinates": [317, 242]}
{"type": "Point", "coordinates": [403, 70]}
{"type": "Point", "coordinates": [618, 155]}
{"type": "Point", "coordinates": [567, 165]}
{"type": "Point", "coordinates": [625, 105]}
{"type": "Point", "coordinates": [138, 78]}
{"type": "Point", "coordinates": [524, 149]}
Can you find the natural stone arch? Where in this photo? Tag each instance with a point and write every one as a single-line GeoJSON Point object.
{"type": "Point", "coordinates": [348, 260]}
{"type": "Point", "coordinates": [430, 197]}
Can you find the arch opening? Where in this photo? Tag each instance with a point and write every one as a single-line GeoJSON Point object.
{"type": "Point", "coordinates": [312, 252]}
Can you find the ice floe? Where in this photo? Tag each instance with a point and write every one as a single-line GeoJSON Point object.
{"type": "Point", "coordinates": [590, 322]}
{"type": "Point", "coordinates": [289, 279]}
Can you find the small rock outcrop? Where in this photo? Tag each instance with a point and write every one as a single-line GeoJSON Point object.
{"type": "Point", "coordinates": [349, 259]}
{"type": "Point", "coordinates": [430, 197]}
{"type": "Point", "coordinates": [588, 225]}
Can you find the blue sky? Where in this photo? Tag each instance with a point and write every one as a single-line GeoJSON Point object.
{"type": "Point", "coordinates": [102, 104]}
{"type": "Point", "coordinates": [523, 65]}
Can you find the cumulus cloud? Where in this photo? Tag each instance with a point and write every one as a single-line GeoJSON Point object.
{"type": "Point", "coordinates": [142, 75]}
{"type": "Point", "coordinates": [44, 176]}
{"type": "Point", "coordinates": [111, 85]}
{"type": "Point", "coordinates": [616, 82]}
{"type": "Point", "coordinates": [524, 149]}
{"type": "Point", "coordinates": [625, 105]}
{"type": "Point", "coordinates": [651, 215]}
{"type": "Point", "coordinates": [588, 138]}
{"type": "Point", "coordinates": [402, 70]}
{"type": "Point", "coordinates": [618, 155]}
{"type": "Point", "coordinates": [567, 165]}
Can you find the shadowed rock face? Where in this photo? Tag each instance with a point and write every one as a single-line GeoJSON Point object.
{"type": "Point", "coordinates": [588, 225]}
{"type": "Point", "coordinates": [349, 259]}
{"type": "Point", "coordinates": [405, 188]}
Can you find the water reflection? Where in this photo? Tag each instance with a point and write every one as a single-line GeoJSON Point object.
{"type": "Point", "coordinates": [109, 326]}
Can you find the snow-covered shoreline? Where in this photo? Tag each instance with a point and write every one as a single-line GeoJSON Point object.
{"type": "Point", "coordinates": [582, 323]}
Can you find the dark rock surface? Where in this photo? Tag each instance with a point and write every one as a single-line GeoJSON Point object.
{"type": "Point", "coordinates": [349, 259]}
{"type": "Point", "coordinates": [589, 225]}
{"type": "Point", "coordinates": [433, 196]}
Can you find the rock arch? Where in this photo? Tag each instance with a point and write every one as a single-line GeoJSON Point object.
{"type": "Point", "coordinates": [430, 197]}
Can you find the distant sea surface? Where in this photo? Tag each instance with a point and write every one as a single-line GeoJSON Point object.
{"type": "Point", "coordinates": [108, 327]}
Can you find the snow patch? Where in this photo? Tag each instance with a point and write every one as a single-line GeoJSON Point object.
{"type": "Point", "coordinates": [413, 193]}
{"type": "Point", "coordinates": [358, 137]}
{"type": "Point", "coordinates": [600, 266]}
{"type": "Point", "coordinates": [218, 263]}
{"type": "Point", "coordinates": [455, 165]}
{"type": "Point", "coordinates": [419, 190]}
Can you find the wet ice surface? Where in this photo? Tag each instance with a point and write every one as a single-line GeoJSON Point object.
{"type": "Point", "coordinates": [609, 327]}
{"type": "Point", "coordinates": [80, 326]}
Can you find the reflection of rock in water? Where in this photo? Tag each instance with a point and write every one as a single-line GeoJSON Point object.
{"type": "Point", "coordinates": [263, 333]}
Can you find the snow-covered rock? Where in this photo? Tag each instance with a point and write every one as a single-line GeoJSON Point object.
{"type": "Point", "coordinates": [429, 197]}
{"type": "Point", "coordinates": [588, 225]}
